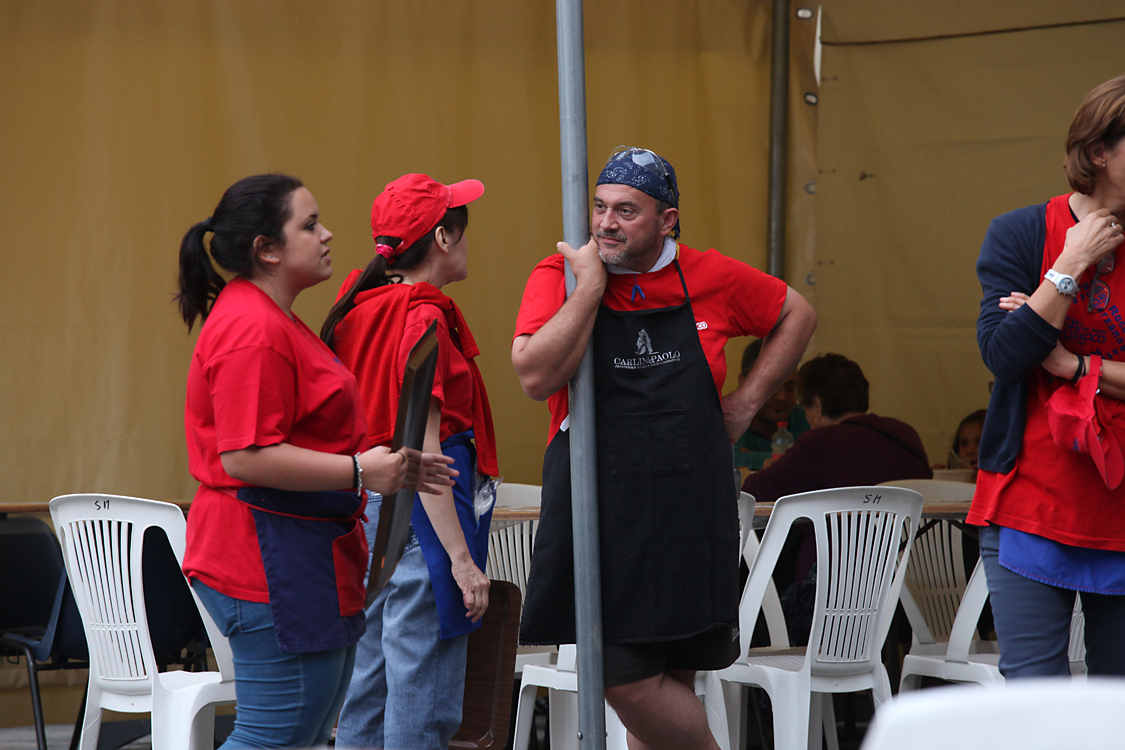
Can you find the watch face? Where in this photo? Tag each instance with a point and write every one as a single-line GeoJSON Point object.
{"type": "Point", "coordinates": [1067, 285]}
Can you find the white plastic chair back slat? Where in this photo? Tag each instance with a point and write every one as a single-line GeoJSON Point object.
{"type": "Point", "coordinates": [509, 553]}
{"type": "Point", "coordinates": [103, 566]}
{"type": "Point", "coordinates": [102, 538]}
{"type": "Point", "coordinates": [936, 578]}
{"type": "Point", "coordinates": [857, 551]}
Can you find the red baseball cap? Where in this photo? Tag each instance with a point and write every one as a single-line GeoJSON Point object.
{"type": "Point", "coordinates": [409, 207]}
{"type": "Point", "coordinates": [1078, 423]}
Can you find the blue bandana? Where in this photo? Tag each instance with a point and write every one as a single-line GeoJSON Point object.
{"type": "Point", "coordinates": [623, 169]}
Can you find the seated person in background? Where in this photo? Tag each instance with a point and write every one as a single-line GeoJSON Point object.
{"type": "Point", "coordinates": [754, 449]}
{"type": "Point", "coordinates": [845, 447]}
{"type": "Point", "coordinates": [966, 443]}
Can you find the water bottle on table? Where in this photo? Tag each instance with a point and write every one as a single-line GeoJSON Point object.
{"type": "Point", "coordinates": [782, 440]}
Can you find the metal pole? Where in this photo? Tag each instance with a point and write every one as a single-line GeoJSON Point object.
{"type": "Point", "coordinates": [779, 128]}
{"type": "Point", "coordinates": [583, 455]}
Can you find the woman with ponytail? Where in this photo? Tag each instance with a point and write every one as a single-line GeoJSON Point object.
{"type": "Point", "coordinates": [409, 680]}
{"type": "Point", "coordinates": [277, 438]}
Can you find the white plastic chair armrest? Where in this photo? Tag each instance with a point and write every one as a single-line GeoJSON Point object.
{"type": "Point", "coordinates": [965, 624]}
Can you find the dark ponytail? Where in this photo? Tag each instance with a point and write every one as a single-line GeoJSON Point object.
{"type": "Point", "coordinates": [377, 273]}
{"type": "Point", "coordinates": [253, 207]}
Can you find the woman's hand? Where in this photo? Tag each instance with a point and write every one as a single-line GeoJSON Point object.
{"type": "Point", "coordinates": [1087, 242]}
{"type": "Point", "coordinates": [383, 471]}
{"type": "Point", "coordinates": [474, 586]}
{"type": "Point", "coordinates": [1061, 362]}
{"type": "Point", "coordinates": [428, 472]}
{"type": "Point", "coordinates": [1017, 300]}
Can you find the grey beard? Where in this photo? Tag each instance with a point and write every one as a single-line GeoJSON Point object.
{"type": "Point", "coordinates": [613, 259]}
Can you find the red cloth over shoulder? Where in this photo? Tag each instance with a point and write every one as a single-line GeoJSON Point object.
{"type": "Point", "coordinates": [369, 341]}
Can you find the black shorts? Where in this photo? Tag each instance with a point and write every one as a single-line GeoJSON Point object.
{"type": "Point", "coordinates": [716, 648]}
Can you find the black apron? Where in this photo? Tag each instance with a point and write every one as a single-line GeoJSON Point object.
{"type": "Point", "coordinates": [667, 497]}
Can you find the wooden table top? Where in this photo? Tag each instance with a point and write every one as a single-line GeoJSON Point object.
{"type": "Point", "coordinates": [46, 507]}
{"type": "Point", "coordinates": [506, 515]}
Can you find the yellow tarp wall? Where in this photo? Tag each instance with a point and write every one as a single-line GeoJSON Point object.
{"type": "Point", "coordinates": [122, 123]}
{"type": "Point", "coordinates": [934, 118]}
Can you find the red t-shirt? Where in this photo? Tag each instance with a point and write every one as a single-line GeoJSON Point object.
{"type": "Point", "coordinates": [256, 378]}
{"type": "Point", "coordinates": [728, 298]}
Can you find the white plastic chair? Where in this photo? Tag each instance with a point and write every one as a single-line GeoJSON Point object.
{"type": "Point", "coordinates": [561, 679]}
{"type": "Point", "coordinates": [962, 658]}
{"type": "Point", "coordinates": [965, 659]}
{"type": "Point", "coordinates": [102, 538]}
{"type": "Point", "coordinates": [935, 575]}
{"type": "Point", "coordinates": [863, 537]}
{"type": "Point", "coordinates": [1031, 714]}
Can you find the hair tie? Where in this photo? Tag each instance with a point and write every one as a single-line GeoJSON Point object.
{"type": "Point", "coordinates": [208, 225]}
{"type": "Point", "coordinates": [386, 251]}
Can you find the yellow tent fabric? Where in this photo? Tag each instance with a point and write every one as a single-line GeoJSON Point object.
{"type": "Point", "coordinates": [123, 122]}
{"type": "Point", "coordinates": [934, 118]}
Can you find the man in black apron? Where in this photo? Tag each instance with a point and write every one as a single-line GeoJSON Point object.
{"type": "Point", "coordinates": [658, 315]}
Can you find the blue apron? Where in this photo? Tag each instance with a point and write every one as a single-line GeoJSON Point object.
{"type": "Point", "coordinates": [313, 564]}
{"type": "Point", "coordinates": [450, 602]}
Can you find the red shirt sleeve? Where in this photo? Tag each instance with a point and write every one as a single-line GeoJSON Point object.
{"type": "Point", "coordinates": [254, 393]}
{"type": "Point", "coordinates": [418, 320]}
{"type": "Point", "coordinates": [753, 298]}
{"type": "Point", "coordinates": [544, 294]}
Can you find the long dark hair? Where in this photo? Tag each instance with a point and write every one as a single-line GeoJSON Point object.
{"type": "Point", "coordinates": [378, 272]}
{"type": "Point", "coordinates": [253, 207]}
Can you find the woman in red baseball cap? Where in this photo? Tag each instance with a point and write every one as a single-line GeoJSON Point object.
{"type": "Point", "coordinates": [409, 682]}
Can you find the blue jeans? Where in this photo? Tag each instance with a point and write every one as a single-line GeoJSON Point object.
{"type": "Point", "coordinates": [1033, 621]}
{"type": "Point", "coordinates": [284, 700]}
{"type": "Point", "coordinates": [409, 684]}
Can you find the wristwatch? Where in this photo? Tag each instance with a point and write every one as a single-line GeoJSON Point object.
{"type": "Point", "coordinates": [1063, 284]}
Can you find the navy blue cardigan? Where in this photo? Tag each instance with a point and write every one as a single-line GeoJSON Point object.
{"type": "Point", "coordinates": [1011, 344]}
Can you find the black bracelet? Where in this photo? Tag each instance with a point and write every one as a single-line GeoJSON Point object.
{"type": "Point", "coordinates": [1079, 371]}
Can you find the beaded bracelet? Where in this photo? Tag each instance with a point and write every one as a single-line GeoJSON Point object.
{"type": "Point", "coordinates": [357, 475]}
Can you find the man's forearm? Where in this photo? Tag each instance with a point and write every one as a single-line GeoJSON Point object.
{"type": "Point", "coordinates": [781, 351]}
{"type": "Point", "coordinates": [546, 360]}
